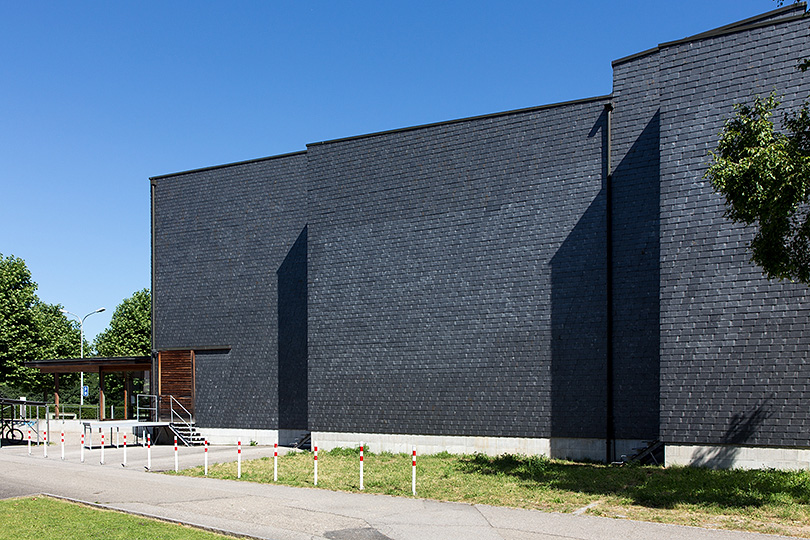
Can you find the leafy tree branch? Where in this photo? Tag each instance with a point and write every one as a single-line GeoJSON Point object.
{"type": "Point", "coordinates": [764, 175]}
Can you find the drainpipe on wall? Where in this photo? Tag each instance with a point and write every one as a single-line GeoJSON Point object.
{"type": "Point", "coordinates": [609, 425]}
{"type": "Point", "coordinates": [152, 295]}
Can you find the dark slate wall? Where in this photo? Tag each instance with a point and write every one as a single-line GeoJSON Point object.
{"type": "Point", "coordinates": [457, 277]}
{"type": "Point", "coordinates": [733, 345]}
{"type": "Point", "coordinates": [225, 240]}
{"type": "Point", "coordinates": [451, 279]}
{"type": "Point", "coordinates": [635, 230]}
{"type": "Point", "coordinates": [292, 337]}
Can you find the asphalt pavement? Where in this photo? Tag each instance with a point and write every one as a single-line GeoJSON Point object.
{"type": "Point", "coordinates": [286, 513]}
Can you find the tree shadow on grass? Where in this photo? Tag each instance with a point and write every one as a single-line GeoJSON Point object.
{"type": "Point", "coordinates": [652, 487]}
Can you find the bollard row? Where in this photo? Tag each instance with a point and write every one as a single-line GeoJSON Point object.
{"type": "Point", "coordinates": [205, 451]}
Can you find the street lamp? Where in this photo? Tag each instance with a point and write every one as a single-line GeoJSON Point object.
{"type": "Point", "coordinates": [81, 346]}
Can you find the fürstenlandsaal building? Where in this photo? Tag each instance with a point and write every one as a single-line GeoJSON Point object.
{"type": "Point", "coordinates": [557, 280]}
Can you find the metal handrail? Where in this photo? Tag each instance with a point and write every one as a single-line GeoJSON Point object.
{"type": "Point", "coordinates": [152, 411]}
{"type": "Point", "coordinates": [13, 406]}
{"type": "Point", "coordinates": [172, 401]}
{"type": "Point", "coordinates": [81, 411]}
{"type": "Point", "coordinates": [189, 424]}
{"type": "Point", "coordinates": [176, 410]}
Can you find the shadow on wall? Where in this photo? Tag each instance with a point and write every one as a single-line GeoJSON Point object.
{"type": "Point", "coordinates": [636, 195]}
{"type": "Point", "coordinates": [578, 302]}
{"type": "Point", "coordinates": [292, 337]}
{"type": "Point", "coordinates": [741, 429]}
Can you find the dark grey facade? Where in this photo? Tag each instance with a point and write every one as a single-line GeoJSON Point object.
{"type": "Point", "coordinates": [226, 252]}
{"type": "Point", "coordinates": [556, 272]}
{"type": "Point", "coordinates": [733, 345]}
{"type": "Point", "coordinates": [463, 268]}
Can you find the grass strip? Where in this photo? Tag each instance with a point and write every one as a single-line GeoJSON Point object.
{"type": "Point", "coordinates": [35, 518]}
{"type": "Point", "coordinates": [768, 501]}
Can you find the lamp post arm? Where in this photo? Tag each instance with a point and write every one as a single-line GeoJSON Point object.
{"type": "Point", "coordinates": [81, 347]}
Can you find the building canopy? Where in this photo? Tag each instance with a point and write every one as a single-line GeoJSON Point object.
{"type": "Point", "coordinates": [93, 365]}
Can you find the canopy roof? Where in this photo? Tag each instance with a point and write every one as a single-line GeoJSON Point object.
{"type": "Point", "coordinates": [93, 365]}
{"type": "Point", "coordinates": [6, 401]}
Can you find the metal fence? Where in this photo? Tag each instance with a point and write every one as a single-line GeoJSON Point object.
{"type": "Point", "coordinates": [21, 419]}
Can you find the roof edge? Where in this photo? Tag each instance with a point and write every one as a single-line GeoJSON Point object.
{"type": "Point", "coordinates": [224, 165]}
{"type": "Point", "coordinates": [606, 97]}
{"type": "Point", "coordinates": [745, 24]}
{"type": "Point", "coordinates": [89, 359]}
{"type": "Point", "coordinates": [634, 56]}
{"type": "Point", "coordinates": [732, 28]}
{"type": "Point", "coordinates": [208, 348]}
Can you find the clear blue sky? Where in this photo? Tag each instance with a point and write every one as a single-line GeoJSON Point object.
{"type": "Point", "coordinates": [96, 97]}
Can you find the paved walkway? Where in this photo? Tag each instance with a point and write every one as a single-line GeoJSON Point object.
{"type": "Point", "coordinates": [285, 513]}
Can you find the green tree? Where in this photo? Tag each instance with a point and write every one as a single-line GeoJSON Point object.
{"type": "Point", "coordinates": [18, 330]}
{"type": "Point", "coordinates": [130, 330]}
{"type": "Point", "coordinates": [59, 338]}
{"type": "Point", "coordinates": [129, 334]}
{"type": "Point", "coordinates": [29, 330]}
{"type": "Point", "coordinates": [764, 175]}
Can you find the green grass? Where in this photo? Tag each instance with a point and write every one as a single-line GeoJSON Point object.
{"type": "Point", "coordinates": [757, 500]}
{"type": "Point", "coordinates": [35, 518]}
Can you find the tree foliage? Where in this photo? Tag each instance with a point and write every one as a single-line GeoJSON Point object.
{"type": "Point", "coordinates": [764, 175]}
{"type": "Point", "coordinates": [29, 330]}
{"type": "Point", "coordinates": [34, 330]}
{"type": "Point", "coordinates": [129, 334]}
{"type": "Point", "coordinates": [130, 330]}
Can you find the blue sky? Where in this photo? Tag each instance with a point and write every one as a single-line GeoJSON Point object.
{"type": "Point", "coordinates": [96, 97]}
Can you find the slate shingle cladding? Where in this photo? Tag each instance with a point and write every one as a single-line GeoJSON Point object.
{"type": "Point", "coordinates": [446, 262]}
{"type": "Point", "coordinates": [733, 344]}
{"type": "Point", "coordinates": [452, 278]}
{"type": "Point", "coordinates": [220, 237]}
{"type": "Point", "coordinates": [636, 247]}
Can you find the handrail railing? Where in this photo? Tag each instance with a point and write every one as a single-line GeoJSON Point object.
{"type": "Point", "coordinates": [75, 411]}
{"type": "Point", "coordinates": [179, 416]}
{"type": "Point", "coordinates": [16, 414]}
{"type": "Point", "coordinates": [151, 409]}
{"type": "Point", "coordinates": [189, 424]}
{"type": "Point", "coordinates": [172, 402]}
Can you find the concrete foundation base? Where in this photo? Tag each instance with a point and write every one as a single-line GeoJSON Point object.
{"type": "Point", "coordinates": [737, 457]}
{"type": "Point", "coordinates": [262, 437]}
{"type": "Point", "coordinates": [431, 444]}
{"type": "Point", "coordinates": [558, 448]}
{"type": "Point", "coordinates": [229, 436]}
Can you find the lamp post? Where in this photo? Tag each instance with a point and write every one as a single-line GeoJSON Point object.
{"type": "Point", "coordinates": [81, 346]}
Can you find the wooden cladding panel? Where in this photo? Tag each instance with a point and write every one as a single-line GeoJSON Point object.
{"type": "Point", "coordinates": [176, 375]}
{"type": "Point", "coordinates": [176, 378]}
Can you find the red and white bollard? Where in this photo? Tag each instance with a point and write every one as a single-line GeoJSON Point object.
{"type": "Point", "coordinates": [148, 450]}
{"type": "Point", "coordinates": [125, 450]}
{"type": "Point", "coordinates": [63, 445]}
{"type": "Point", "coordinates": [176, 462]}
{"type": "Point", "coordinates": [45, 441]}
{"type": "Point", "coordinates": [206, 457]}
{"type": "Point", "coordinates": [29, 442]}
{"type": "Point", "coordinates": [275, 463]}
{"type": "Point", "coordinates": [413, 475]}
{"type": "Point", "coordinates": [238, 458]}
{"type": "Point", "coordinates": [102, 446]}
{"type": "Point", "coordinates": [361, 466]}
{"type": "Point", "coordinates": [81, 454]}
{"type": "Point", "coordinates": [316, 465]}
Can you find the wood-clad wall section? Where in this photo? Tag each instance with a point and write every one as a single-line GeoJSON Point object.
{"type": "Point", "coordinates": [175, 378]}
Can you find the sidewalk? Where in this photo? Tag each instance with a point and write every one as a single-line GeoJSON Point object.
{"type": "Point", "coordinates": [285, 513]}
